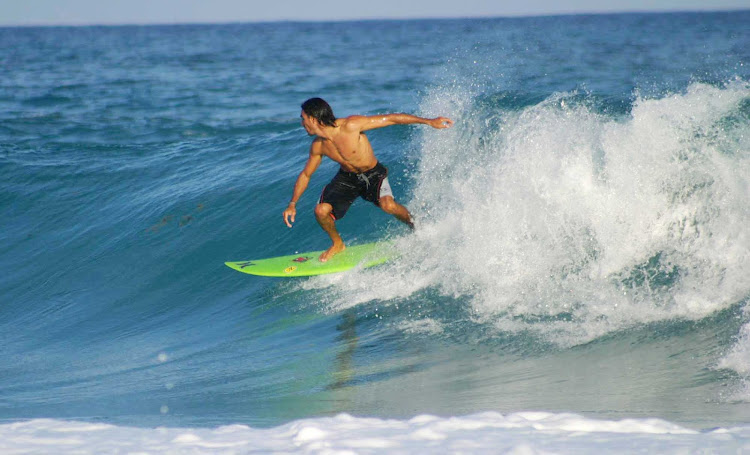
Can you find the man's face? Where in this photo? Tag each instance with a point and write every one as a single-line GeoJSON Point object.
{"type": "Point", "coordinates": [309, 123]}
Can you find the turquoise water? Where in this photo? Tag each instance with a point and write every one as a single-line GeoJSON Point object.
{"type": "Point", "coordinates": [583, 243]}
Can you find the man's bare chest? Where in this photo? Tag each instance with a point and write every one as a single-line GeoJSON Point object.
{"type": "Point", "coordinates": [349, 148]}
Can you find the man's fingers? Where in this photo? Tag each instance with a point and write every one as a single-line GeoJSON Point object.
{"type": "Point", "coordinates": [443, 122]}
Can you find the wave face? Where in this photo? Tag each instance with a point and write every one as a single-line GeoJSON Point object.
{"type": "Point", "coordinates": [582, 242]}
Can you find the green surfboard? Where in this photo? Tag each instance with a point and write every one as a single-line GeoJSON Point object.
{"type": "Point", "coordinates": [307, 264]}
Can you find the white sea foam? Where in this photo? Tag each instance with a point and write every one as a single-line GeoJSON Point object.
{"type": "Point", "coordinates": [485, 433]}
{"type": "Point", "coordinates": [425, 326]}
{"type": "Point", "coordinates": [569, 223]}
{"type": "Point", "coordinates": [738, 360]}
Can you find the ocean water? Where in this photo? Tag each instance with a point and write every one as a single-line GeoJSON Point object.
{"type": "Point", "coordinates": [579, 281]}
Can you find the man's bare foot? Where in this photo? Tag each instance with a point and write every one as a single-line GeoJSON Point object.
{"type": "Point", "coordinates": [328, 254]}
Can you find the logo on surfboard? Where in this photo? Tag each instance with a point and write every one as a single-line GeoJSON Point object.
{"type": "Point", "coordinates": [302, 259]}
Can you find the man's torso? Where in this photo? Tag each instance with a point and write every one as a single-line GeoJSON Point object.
{"type": "Point", "coordinates": [351, 149]}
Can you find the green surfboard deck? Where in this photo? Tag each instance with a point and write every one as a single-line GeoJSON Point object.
{"type": "Point", "coordinates": [307, 264]}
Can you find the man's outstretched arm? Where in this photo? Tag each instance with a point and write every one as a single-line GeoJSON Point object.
{"type": "Point", "coordinates": [370, 122]}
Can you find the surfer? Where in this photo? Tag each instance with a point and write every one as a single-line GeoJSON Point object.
{"type": "Point", "coordinates": [361, 175]}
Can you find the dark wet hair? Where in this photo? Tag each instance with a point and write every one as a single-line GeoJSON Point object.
{"type": "Point", "coordinates": [318, 109]}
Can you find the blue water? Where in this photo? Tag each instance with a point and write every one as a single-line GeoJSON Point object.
{"type": "Point", "coordinates": [583, 241]}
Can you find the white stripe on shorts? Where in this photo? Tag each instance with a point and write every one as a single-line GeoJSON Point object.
{"type": "Point", "coordinates": [385, 189]}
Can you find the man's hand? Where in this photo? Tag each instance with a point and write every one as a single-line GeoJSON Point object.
{"type": "Point", "coordinates": [290, 212]}
{"type": "Point", "coordinates": [441, 122]}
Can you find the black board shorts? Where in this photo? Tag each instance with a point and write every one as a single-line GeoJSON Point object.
{"type": "Point", "coordinates": [347, 186]}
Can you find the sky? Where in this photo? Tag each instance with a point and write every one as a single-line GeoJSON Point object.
{"type": "Point", "coordinates": [105, 12]}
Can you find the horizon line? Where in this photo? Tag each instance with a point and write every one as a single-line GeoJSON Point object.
{"type": "Point", "coordinates": [366, 19]}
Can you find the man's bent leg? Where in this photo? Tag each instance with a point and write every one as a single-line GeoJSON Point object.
{"type": "Point", "coordinates": [326, 221]}
{"type": "Point", "coordinates": [390, 206]}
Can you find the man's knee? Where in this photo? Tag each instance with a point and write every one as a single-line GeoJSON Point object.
{"type": "Point", "coordinates": [388, 204]}
{"type": "Point", "coordinates": [323, 210]}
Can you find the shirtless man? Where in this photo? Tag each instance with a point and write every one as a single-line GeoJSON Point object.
{"type": "Point", "coordinates": [344, 141]}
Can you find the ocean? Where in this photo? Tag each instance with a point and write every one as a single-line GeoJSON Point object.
{"type": "Point", "coordinates": [579, 280]}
